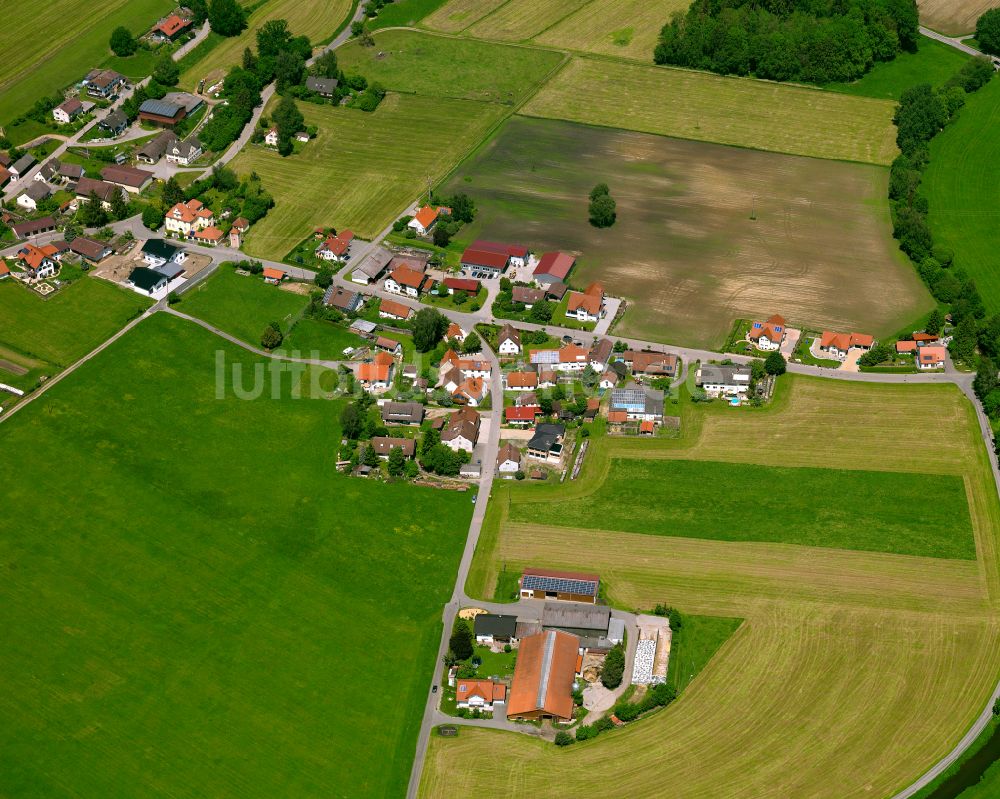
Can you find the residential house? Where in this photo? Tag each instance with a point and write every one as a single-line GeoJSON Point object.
{"type": "Point", "coordinates": [271, 138]}
{"type": "Point", "coordinates": [544, 677]}
{"type": "Point", "coordinates": [454, 284]}
{"type": "Point", "coordinates": [547, 378]}
{"type": "Point", "coordinates": [650, 364]}
{"type": "Point", "coordinates": [718, 380]}
{"type": "Point", "coordinates": [471, 391]}
{"type": "Point", "coordinates": [469, 367]}
{"type": "Point", "coordinates": [170, 29]}
{"type": "Point", "coordinates": [4, 269]}
{"type": "Point", "coordinates": [600, 354]}
{"type": "Point", "coordinates": [158, 252]}
{"type": "Point", "coordinates": [4, 176]}
{"type": "Point", "coordinates": [335, 248]}
{"type": "Point", "coordinates": [586, 306]}
{"type": "Point", "coordinates": [389, 345]}
{"type": "Point", "coordinates": [837, 345]}
{"type": "Point", "coordinates": [69, 173]}
{"type": "Point", "coordinates": [553, 267]}
{"type": "Point", "coordinates": [568, 358]}
{"type": "Point", "coordinates": [325, 87]}
{"type": "Point", "coordinates": [33, 227]}
{"type": "Point", "coordinates": [383, 445]}
{"type": "Point", "coordinates": [390, 309]}
{"type": "Point", "coordinates": [187, 217]}
{"type": "Point", "coordinates": [492, 258]}
{"type": "Point", "coordinates": [33, 195]}
{"type": "Point", "coordinates": [426, 218]}
{"type": "Point", "coordinates": [105, 192]}
{"type": "Point", "coordinates": [559, 585]}
{"type": "Point", "coordinates": [480, 695]}
{"type": "Point", "coordinates": [639, 403]}
{"type": "Point", "coordinates": [272, 275]}
{"type": "Point", "coordinates": [526, 295]}
{"type": "Point", "coordinates": [67, 111]}
{"type": "Point", "coordinates": [104, 83]}
{"type": "Point", "coordinates": [402, 413]}
{"type": "Point", "coordinates": [931, 357]}
{"type": "Point", "coordinates": [455, 333]}
{"type": "Point", "coordinates": [521, 415]}
{"type": "Point", "coordinates": [508, 341]}
{"type": "Point", "coordinates": [128, 177]}
{"type": "Point", "coordinates": [94, 251]}
{"type": "Point", "coordinates": [508, 459]}
{"type": "Point", "coordinates": [521, 381]}
{"type": "Point", "coordinates": [344, 300]}
{"type": "Point", "coordinates": [184, 152]}
{"type": "Point", "coordinates": [493, 628]}
{"type": "Point", "coordinates": [408, 282]}
{"type": "Point", "coordinates": [49, 171]}
{"type": "Point", "coordinates": [372, 267]}
{"type": "Point", "coordinates": [377, 374]}
{"type": "Point", "coordinates": [153, 150]}
{"type": "Point", "coordinates": [114, 123]}
{"type": "Point", "coordinates": [161, 113]}
{"type": "Point", "coordinates": [147, 281]}
{"type": "Point", "coordinates": [21, 166]}
{"type": "Point", "coordinates": [209, 236]}
{"type": "Point", "coordinates": [769, 334]}
{"type": "Point", "coordinates": [462, 430]}
{"type": "Point", "coordinates": [36, 263]}
{"type": "Point", "coordinates": [547, 442]}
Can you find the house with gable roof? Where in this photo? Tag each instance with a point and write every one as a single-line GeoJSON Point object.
{"type": "Point", "coordinates": [188, 217]}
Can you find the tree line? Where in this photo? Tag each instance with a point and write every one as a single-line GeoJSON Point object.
{"type": "Point", "coordinates": [817, 41]}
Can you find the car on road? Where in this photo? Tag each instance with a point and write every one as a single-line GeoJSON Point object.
{"type": "Point", "coordinates": [434, 689]}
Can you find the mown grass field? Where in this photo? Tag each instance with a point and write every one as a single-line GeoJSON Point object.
{"type": "Point", "coordinates": [624, 28]}
{"type": "Point", "coordinates": [243, 305]}
{"type": "Point", "coordinates": [404, 13]}
{"type": "Point", "coordinates": [934, 62]}
{"type": "Point", "coordinates": [953, 17]}
{"type": "Point", "coordinates": [903, 513]}
{"type": "Point", "coordinates": [428, 65]}
{"type": "Point", "coordinates": [456, 15]}
{"type": "Point", "coordinates": [852, 672]}
{"type": "Point", "coordinates": [50, 45]}
{"type": "Point", "coordinates": [962, 185]}
{"type": "Point", "coordinates": [68, 325]}
{"type": "Point", "coordinates": [519, 20]}
{"type": "Point", "coordinates": [317, 19]}
{"type": "Point", "coordinates": [738, 111]}
{"type": "Point", "coordinates": [314, 338]}
{"type": "Point", "coordinates": [197, 604]}
{"type": "Point", "coordinates": [694, 258]}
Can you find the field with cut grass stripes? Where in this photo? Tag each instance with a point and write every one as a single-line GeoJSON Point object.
{"type": "Point", "coordinates": [186, 594]}
{"type": "Point", "coordinates": [738, 111]}
{"type": "Point", "coordinates": [624, 28]}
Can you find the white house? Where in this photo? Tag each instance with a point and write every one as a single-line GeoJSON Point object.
{"type": "Point", "coordinates": [406, 281]}
{"type": "Point", "coordinates": [930, 357]}
{"type": "Point", "coordinates": [508, 341]}
{"type": "Point", "coordinates": [719, 381]}
{"type": "Point", "coordinates": [66, 112]}
{"type": "Point", "coordinates": [479, 694]}
{"type": "Point", "coordinates": [186, 218]}
{"type": "Point", "coordinates": [837, 345]}
{"type": "Point", "coordinates": [183, 152]}
{"type": "Point", "coordinates": [508, 459]}
{"type": "Point", "coordinates": [586, 306]}
{"type": "Point", "coordinates": [157, 252]}
{"type": "Point", "coordinates": [462, 430]}
{"type": "Point", "coordinates": [271, 138]}
{"type": "Point", "coordinates": [33, 195]}
{"type": "Point", "coordinates": [426, 218]}
{"type": "Point", "coordinates": [768, 335]}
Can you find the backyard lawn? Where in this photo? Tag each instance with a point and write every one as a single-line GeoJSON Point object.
{"type": "Point", "coordinates": [199, 602]}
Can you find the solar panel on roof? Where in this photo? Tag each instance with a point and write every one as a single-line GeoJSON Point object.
{"type": "Point", "coordinates": [534, 582]}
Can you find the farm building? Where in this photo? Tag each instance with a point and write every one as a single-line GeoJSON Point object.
{"type": "Point", "coordinates": [390, 309]}
{"type": "Point", "coordinates": [544, 676]}
{"type": "Point", "coordinates": [580, 620]}
{"type": "Point", "coordinates": [565, 586]}
{"type": "Point", "coordinates": [161, 113]}
{"type": "Point", "coordinates": [492, 257]}
{"type": "Point", "coordinates": [553, 267]}
{"type": "Point", "coordinates": [371, 268]}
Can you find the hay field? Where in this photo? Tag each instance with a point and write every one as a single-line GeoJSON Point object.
{"type": "Point", "coordinates": [625, 28]}
{"type": "Point", "coordinates": [362, 169]}
{"type": "Point", "coordinates": [952, 17]}
{"type": "Point", "coordinates": [684, 252]}
{"type": "Point", "coordinates": [739, 111]}
{"type": "Point", "coordinates": [519, 20]}
{"type": "Point", "coordinates": [457, 15]}
{"type": "Point", "coordinates": [853, 671]}
{"type": "Point", "coordinates": [317, 19]}
{"type": "Point", "coordinates": [52, 44]}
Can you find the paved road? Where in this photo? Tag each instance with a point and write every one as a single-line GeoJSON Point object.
{"type": "Point", "coordinates": [951, 41]}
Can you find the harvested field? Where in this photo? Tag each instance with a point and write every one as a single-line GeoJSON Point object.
{"type": "Point", "coordinates": [952, 17]}
{"type": "Point", "coordinates": [519, 20]}
{"type": "Point", "coordinates": [694, 259]}
{"type": "Point", "coordinates": [626, 28]}
{"type": "Point", "coordinates": [362, 169]}
{"type": "Point", "coordinates": [317, 19]}
{"type": "Point", "coordinates": [457, 15]}
{"type": "Point", "coordinates": [853, 671]}
{"type": "Point", "coordinates": [739, 111]}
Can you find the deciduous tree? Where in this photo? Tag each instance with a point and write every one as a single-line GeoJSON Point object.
{"type": "Point", "coordinates": [122, 42]}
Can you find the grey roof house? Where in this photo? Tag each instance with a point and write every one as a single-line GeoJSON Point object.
{"type": "Point", "coordinates": [323, 86]}
{"type": "Point", "coordinates": [547, 441]}
{"type": "Point", "coordinates": [402, 413]}
{"type": "Point", "coordinates": [640, 403]}
{"type": "Point", "coordinates": [490, 627]}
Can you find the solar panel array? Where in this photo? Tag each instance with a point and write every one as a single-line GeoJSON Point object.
{"type": "Point", "coordinates": [564, 585]}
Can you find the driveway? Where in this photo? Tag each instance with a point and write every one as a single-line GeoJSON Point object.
{"type": "Point", "coordinates": [791, 341]}
{"type": "Point", "coordinates": [850, 363]}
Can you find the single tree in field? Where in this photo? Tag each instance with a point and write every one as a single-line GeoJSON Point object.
{"type": "Point", "coordinates": [934, 322]}
{"type": "Point", "coordinates": [271, 337]}
{"type": "Point", "coordinates": [122, 42]}
{"type": "Point", "coordinates": [461, 640]}
{"type": "Point", "coordinates": [988, 32]}
{"type": "Point", "coordinates": [602, 206]}
{"type": "Point", "coordinates": [397, 461]}
{"type": "Point", "coordinates": [350, 422]}
{"type": "Point", "coordinates": [166, 71]}
{"type": "Point", "coordinates": [226, 17]}
{"type": "Point", "coordinates": [599, 190]}
{"type": "Point", "coordinates": [774, 364]}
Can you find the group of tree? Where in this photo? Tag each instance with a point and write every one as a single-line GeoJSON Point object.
{"type": "Point", "coordinates": [602, 208]}
{"type": "Point", "coordinates": [122, 42]}
{"type": "Point", "coordinates": [988, 32]}
{"type": "Point", "coordinates": [880, 353]}
{"type": "Point", "coordinates": [226, 17]}
{"type": "Point", "coordinates": [247, 197]}
{"type": "Point", "coordinates": [436, 458]}
{"type": "Point", "coordinates": [921, 114]}
{"type": "Point", "coordinates": [242, 90]}
{"type": "Point", "coordinates": [272, 336]}
{"type": "Point", "coordinates": [461, 640]}
{"type": "Point", "coordinates": [818, 41]}
{"type": "Point", "coordinates": [505, 307]}
{"type": "Point", "coordinates": [614, 667]}
{"type": "Point", "coordinates": [288, 120]}
{"type": "Point", "coordinates": [429, 327]}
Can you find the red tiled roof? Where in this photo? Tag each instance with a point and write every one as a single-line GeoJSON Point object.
{"type": "Point", "coordinates": [556, 264]}
{"type": "Point", "coordinates": [462, 284]}
{"type": "Point", "coordinates": [617, 417]}
{"type": "Point", "coordinates": [488, 258]}
{"type": "Point", "coordinates": [172, 25]}
{"type": "Point", "coordinates": [589, 302]}
{"type": "Point", "coordinates": [906, 346]}
{"type": "Point", "coordinates": [646, 426]}
{"type": "Point", "coordinates": [544, 674]}
{"type": "Point", "coordinates": [924, 337]}
{"type": "Point", "coordinates": [522, 379]}
{"type": "Point", "coordinates": [526, 413]}
{"type": "Point", "coordinates": [209, 234]}
{"type": "Point", "coordinates": [931, 355]}
{"type": "Point", "coordinates": [405, 276]}
{"type": "Point", "coordinates": [512, 250]}
{"type": "Point", "coordinates": [426, 216]}
{"type": "Point", "coordinates": [396, 309]}
{"type": "Point", "coordinates": [274, 274]}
